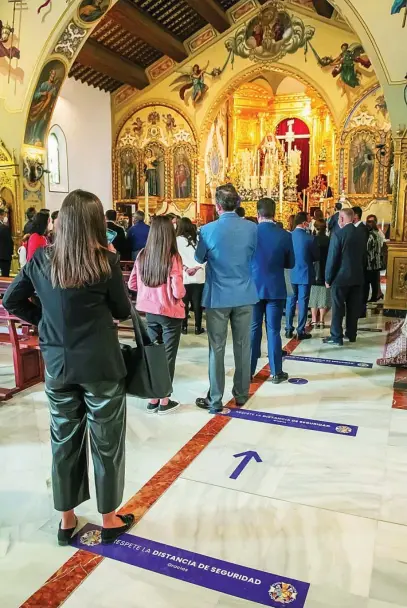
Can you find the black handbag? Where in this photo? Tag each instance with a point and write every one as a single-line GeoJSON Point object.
{"type": "Point", "coordinates": [148, 375]}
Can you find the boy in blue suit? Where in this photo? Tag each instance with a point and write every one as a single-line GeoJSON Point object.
{"type": "Point", "coordinates": [228, 246]}
{"type": "Point", "coordinates": [302, 276]}
{"type": "Point", "coordinates": [274, 253]}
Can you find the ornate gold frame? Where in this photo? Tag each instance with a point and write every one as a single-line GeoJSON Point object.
{"type": "Point", "coordinates": [183, 203]}
{"type": "Point", "coordinates": [9, 178]}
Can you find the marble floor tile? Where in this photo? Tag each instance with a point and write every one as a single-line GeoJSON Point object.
{"type": "Point", "coordinates": [378, 604]}
{"type": "Point", "coordinates": [398, 428]}
{"type": "Point", "coordinates": [389, 578]}
{"type": "Point", "coordinates": [290, 540]}
{"type": "Point", "coordinates": [394, 490]}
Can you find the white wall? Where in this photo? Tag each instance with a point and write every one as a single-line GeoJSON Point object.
{"type": "Point", "coordinates": [84, 115]}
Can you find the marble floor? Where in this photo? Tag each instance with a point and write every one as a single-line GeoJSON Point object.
{"type": "Point", "coordinates": [327, 509]}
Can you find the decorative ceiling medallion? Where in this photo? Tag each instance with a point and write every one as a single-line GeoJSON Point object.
{"type": "Point", "coordinates": [242, 10]}
{"type": "Point", "coordinates": [201, 39]}
{"type": "Point", "coordinates": [70, 40]}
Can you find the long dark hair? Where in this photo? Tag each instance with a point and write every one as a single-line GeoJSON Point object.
{"type": "Point", "coordinates": [79, 255]}
{"type": "Point", "coordinates": [187, 229]}
{"type": "Point", "coordinates": [40, 223]}
{"type": "Point", "coordinates": [155, 260]}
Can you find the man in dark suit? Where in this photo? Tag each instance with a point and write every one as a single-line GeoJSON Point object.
{"type": "Point", "coordinates": [344, 274]}
{"type": "Point", "coordinates": [6, 245]}
{"type": "Point", "coordinates": [333, 225]}
{"type": "Point", "coordinates": [363, 233]}
{"type": "Point", "coordinates": [274, 253]}
{"type": "Point", "coordinates": [302, 276]}
{"type": "Point", "coordinates": [120, 241]}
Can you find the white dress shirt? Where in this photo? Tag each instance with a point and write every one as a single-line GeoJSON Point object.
{"type": "Point", "coordinates": [187, 253]}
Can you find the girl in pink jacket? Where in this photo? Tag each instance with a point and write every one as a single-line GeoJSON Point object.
{"type": "Point", "coordinates": [157, 276]}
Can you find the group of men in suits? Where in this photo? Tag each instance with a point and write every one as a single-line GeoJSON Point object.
{"type": "Point", "coordinates": [246, 283]}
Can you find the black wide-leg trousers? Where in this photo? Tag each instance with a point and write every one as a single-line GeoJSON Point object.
{"type": "Point", "coordinates": [97, 409]}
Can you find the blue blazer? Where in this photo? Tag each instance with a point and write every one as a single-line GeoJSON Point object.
{"type": "Point", "coordinates": [274, 253]}
{"type": "Point", "coordinates": [306, 253]}
{"type": "Point", "coordinates": [228, 246]}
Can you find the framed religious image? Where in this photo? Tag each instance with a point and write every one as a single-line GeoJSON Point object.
{"type": "Point", "coordinates": [183, 174]}
{"type": "Point", "coordinates": [362, 163]}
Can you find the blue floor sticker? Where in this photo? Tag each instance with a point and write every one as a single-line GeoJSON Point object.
{"type": "Point", "coordinates": [291, 421]}
{"type": "Point", "coordinates": [298, 381]}
{"type": "Point", "coordinates": [329, 361]}
{"type": "Point", "coordinates": [208, 572]}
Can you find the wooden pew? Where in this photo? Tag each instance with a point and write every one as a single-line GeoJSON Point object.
{"type": "Point", "coordinates": [27, 359]}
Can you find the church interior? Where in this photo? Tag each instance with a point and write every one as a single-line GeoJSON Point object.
{"type": "Point", "coordinates": [151, 105]}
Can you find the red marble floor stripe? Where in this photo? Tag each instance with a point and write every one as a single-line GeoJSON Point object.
{"type": "Point", "coordinates": [67, 579]}
{"type": "Point", "coordinates": [400, 391]}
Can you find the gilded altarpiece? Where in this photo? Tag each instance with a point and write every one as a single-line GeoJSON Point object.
{"type": "Point", "coordinates": [156, 145]}
{"type": "Point", "coordinates": [9, 190]}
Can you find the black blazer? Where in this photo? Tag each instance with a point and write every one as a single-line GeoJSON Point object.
{"type": "Point", "coordinates": [322, 242]}
{"type": "Point", "coordinates": [6, 243]}
{"type": "Point", "coordinates": [78, 338]}
{"type": "Point", "coordinates": [120, 242]}
{"type": "Point", "coordinates": [333, 225]}
{"type": "Point", "coordinates": [346, 258]}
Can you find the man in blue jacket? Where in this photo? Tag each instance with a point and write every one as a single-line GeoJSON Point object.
{"type": "Point", "coordinates": [302, 276]}
{"type": "Point", "coordinates": [274, 253]}
{"type": "Point", "coordinates": [228, 246]}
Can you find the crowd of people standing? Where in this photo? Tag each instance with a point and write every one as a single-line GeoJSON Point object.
{"type": "Point", "coordinates": [242, 274]}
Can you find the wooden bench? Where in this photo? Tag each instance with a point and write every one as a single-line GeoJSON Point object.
{"type": "Point", "coordinates": [27, 359]}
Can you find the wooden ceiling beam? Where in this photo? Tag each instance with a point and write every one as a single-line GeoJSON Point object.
{"type": "Point", "coordinates": [101, 59]}
{"type": "Point", "coordinates": [211, 12]}
{"type": "Point", "coordinates": [132, 19]}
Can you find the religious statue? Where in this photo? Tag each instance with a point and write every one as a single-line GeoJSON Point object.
{"type": "Point", "coordinates": [129, 176]}
{"type": "Point", "coordinates": [182, 177]}
{"type": "Point", "coordinates": [151, 165]}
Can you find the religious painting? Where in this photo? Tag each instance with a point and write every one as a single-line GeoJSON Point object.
{"type": "Point", "coordinates": [128, 172]}
{"type": "Point", "coordinates": [345, 65]}
{"type": "Point", "coordinates": [8, 52]}
{"type": "Point", "coordinates": [191, 84]}
{"type": "Point", "coordinates": [270, 35]}
{"type": "Point", "coordinates": [43, 103]}
{"type": "Point", "coordinates": [154, 170]}
{"type": "Point", "coordinates": [182, 174]}
{"type": "Point", "coordinates": [90, 11]}
{"type": "Point", "coordinates": [362, 156]}
{"type": "Point", "coordinates": [397, 7]}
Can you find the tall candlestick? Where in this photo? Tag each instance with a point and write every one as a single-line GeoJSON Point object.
{"type": "Point", "coordinates": [281, 188]}
{"type": "Point", "coordinates": [146, 212]}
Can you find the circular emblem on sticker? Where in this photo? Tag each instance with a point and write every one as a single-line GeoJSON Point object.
{"type": "Point", "coordinates": [345, 430]}
{"type": "Point", "coordinates": [283, 593]}
{"type": "Point", "coordinates": [363, 364]}
{"type": "Point", "coordinates": [91, 538]}
{"type": "Point", "coordinates": [226, 410]}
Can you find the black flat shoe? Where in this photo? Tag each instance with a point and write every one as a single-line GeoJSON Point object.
{"type": "Point", "coordinates": [203, 403]}
{"type": "Point", "coordinates": [281, 377]}
{"type": "Point", "coordinates": [109, 535]}
{"type": "Point", "coordinates": [199, 331]}
{"type": "Point", "coordinates": [184, 331]}
{"type": "Point", "coordinates": [64, 536]}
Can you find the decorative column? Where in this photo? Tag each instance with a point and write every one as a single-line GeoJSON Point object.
{"type": "Point", "coordinates": [396, 292]}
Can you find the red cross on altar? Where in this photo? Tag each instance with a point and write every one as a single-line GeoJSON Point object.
{"type": "Point", "coordinates": [290, 136]}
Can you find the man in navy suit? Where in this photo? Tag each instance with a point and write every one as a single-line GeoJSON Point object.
{"type": "Point", "coordinates": [333, 224]}
{"type": "Point", "coordinates": [302, 276]}
{"type": "Point", "coordinates": [228, 246]}
{"type": "Point", "coordinates": [274, 253]}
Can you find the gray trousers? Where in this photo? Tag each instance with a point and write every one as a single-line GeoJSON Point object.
{"type": "Point", "coordinates": [217, 321]}
{"type": "Point", "coordinates": [76, 409]}
{"type": "Point", "coordinates": [168, 330]}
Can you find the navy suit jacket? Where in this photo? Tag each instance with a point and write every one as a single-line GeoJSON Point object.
{"type": "Point", "coordinates": [333, 224]}
{"type": "Point", "coordinates": [306, 253]}
{"type": "Point", "coordinates": [228, 246]}
{"type": "Point", "coordinates": [274, 253]}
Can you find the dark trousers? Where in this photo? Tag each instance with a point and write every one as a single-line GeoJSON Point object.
{"type": "Point", "coordinates": [273, 311]}
{"type": "Point", "coordinates": [372, 281]}
{"type": "Point", "coordinates": [167, 330]}
{"type": "Point", "coordinates": [99, 409]}
{"type": "Point", "coordinates": [5, 266]}
{"type": "Point", "coordinates": [217, 322]}
{"type": "Point", "coordinates": [193, 299]}
{"type": "Point", "coordinates": [301, 293]}
{"type": "Point", "coordinates": [345, 300]}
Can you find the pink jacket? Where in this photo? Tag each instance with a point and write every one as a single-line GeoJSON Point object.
{"type": "Point", "coordinates": [163, 300]}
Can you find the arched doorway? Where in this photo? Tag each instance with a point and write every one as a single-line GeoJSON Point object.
{"type": "Point", "coordinates": [294, 133]}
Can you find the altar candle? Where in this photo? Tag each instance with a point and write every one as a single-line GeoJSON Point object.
{"type": "Point", "coordinates": [198, 197]}
{"type": "Point", "coordinates": [146, 212]}
{"type": "Point", "coordinates": [383, 225]}
{"type": "Point", "coordinates": [281, 191]}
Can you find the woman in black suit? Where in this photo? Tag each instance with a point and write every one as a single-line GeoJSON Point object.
{"type": "Point", "coordinates": [80, 286]}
